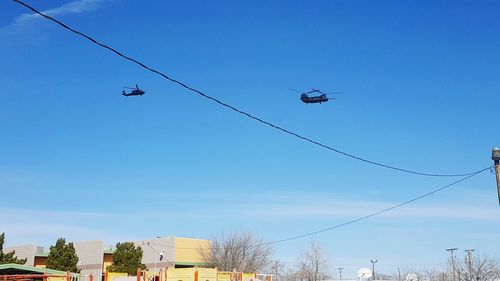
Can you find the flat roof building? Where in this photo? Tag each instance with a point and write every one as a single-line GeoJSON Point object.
{"type": "Point", "coordinates": [94, 257]}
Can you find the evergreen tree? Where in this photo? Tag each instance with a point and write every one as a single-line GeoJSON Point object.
{"type": "Point", "coordinates": [126, 258]}
{"type": "Point", "coordinates": [62, 256]}
{"type": "Point", "coordinates": [8, 257]}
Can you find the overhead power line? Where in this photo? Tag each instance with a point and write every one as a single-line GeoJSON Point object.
{"type": "Point", "coordinates": [233, 108]}
{"type": "Point", "coordinates": [379, 212]}
{"type": "Point", "coordinates": [360, 218]}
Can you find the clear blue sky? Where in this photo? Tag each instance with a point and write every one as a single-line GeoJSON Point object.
{"type": "Point", "coordinates": [420, 84]}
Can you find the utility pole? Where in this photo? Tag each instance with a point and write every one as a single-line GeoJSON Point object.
{"type": "Point", "coordinates": [373, 268]}
{"type": "Point", "coordinates": [495, 156]}
{"type": "Point", "coordinates": [340, 273]}
{"type": "Point", "coordinates": [276, 270]}
{"type": "Point", "coordinates": [451, 250]}
{"type": "Point", "coordinates": [469, 262]}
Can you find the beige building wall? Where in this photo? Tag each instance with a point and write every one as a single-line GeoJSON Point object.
{"type": "Point", "coordinates": [90, 258]}
{"type": "Point", "coordinates": [24, 252]}
{"type": "Point", "coordinates": [151, 250]}
{"type": "Point", "coordinates": [158, 253]}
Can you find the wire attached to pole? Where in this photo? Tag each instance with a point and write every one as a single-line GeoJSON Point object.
{"type": "Point", "coordinates": [360, 218]}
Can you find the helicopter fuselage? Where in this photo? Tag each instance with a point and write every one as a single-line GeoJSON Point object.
{"type": "Point", "coordinates": [135, 92]}
{"type": "Point", "coordinates": [313, 99]}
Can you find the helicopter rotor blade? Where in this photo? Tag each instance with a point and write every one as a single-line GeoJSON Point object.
{"type": "Point", "coordinates": [297, 91]}
{"type": "Point", "coordinates": [314, 91]}
{"type": "Point", "coordinates": [333, 93]}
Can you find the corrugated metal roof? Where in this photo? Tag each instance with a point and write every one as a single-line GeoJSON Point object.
{"type": "Point", "coordinates": [13, 268]}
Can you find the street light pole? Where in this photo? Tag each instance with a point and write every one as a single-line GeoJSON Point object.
{"type": "Point", "coordinates": [340, 273]}
{"type": "Point", "coordinates": [156, 253]}
{"type": "Point", "coordinates": [373, 268]}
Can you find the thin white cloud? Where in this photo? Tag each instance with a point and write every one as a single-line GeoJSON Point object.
{"type": "Point", "coordinates": [360, 209]}
{"type": "Point", "coordinates": [42, 225]}
{"type": "Point", "coordinates": [10, 215]}
{"type": "Point", "coordinates": [52, 231]}
{"type": "Point", "coordinates": [75, 7]}
{"type": "Point", "coordinates": [25, 226]}
{"type": "Point", "coordinates": [331, 206]}
{"type": "Point", "coordinates": [28, 226]}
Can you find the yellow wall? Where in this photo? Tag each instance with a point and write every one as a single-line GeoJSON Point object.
{"type": "Point", "coordinates": [248, 276]}
{"type": "Point", "coordinates": [106, 261]}
{"type": "Point", "coordinates": [113, 275]}
{"type": "Point", "coordinates": [207, 274]}
{"type": "Point", "coordinates": [224, 276]}
{"type": "Point", "coordinates": [180, 274]}
{"type": "Point", "coordinates": [188, 250]}
{"type": "Point", "coordinates": [240, 276]}
{"type": "Point", "coordinates": [189, 274]}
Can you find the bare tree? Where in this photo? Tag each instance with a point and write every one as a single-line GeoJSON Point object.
{"type": "Point", "coordinates": [290, 274]}
{"type": "Point", "coordinates": [404, 271]}
{"type": "Point", "coordinates": [430, 274]}
{"type": "Point", "coordinates": [384, 276]}
{"type": "Point", "coordinates": [240, 251]}
{"type": "Point", "coordinates": [278, 270]}
{"type": "Point", "coordinates": [469, 267]}
{"type": "Point", "coordinates": [478, 268]}
{"type": "Point", "coordinates": [312, 264]}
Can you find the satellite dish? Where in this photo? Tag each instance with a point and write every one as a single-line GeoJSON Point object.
{"type": "Point", "coordinates": [365, 273]}
{"type": "Point", "coordinates": [411, 277]}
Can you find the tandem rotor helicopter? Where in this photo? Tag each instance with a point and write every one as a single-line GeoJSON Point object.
{"type": "Point", "coordinates": [319, 96]}
{"type": "Point", "coordinates": [135, 91]}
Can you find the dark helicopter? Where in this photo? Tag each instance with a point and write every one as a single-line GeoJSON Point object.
{"type": "Point", "coordinates": [306, 97]}
{"type": "Point", "coordinates": [135, 91]}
